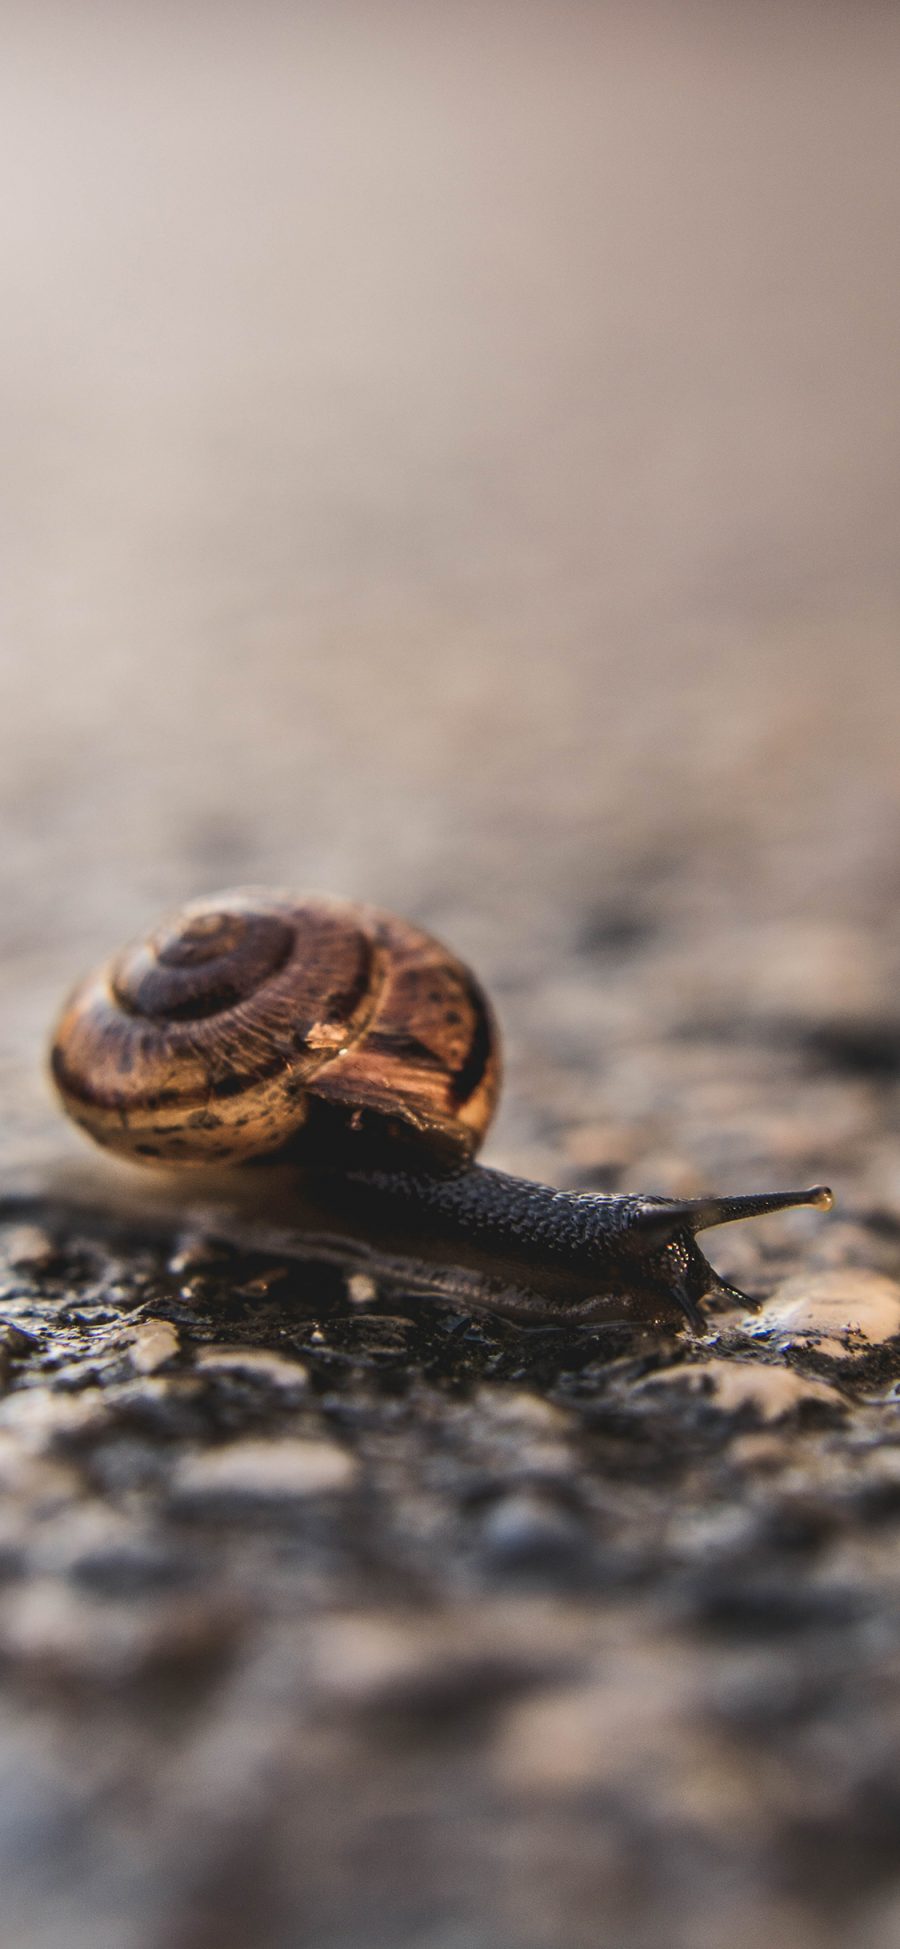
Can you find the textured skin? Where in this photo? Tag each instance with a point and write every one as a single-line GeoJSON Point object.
{"type": "Point", "coordinates": [589, 1256]}
{"type": "Point", "coordinates": [500, 1210]}
{"type": "Point", "coordinates": [215, 1038]}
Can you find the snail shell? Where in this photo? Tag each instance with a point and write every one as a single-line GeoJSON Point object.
{"type": "Point", "coordinates": [257, 1020]}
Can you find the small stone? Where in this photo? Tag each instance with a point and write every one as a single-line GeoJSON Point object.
{"type": "Point", "coordinates": [54, 1632]}
{"type": "Point", "coordinates": [362, 1659]}
{"type": "Point", "coordinates": [252, 1472]}
{"type": "Point", "coordinates": [705, 1534]}
{"type": "Point", "coordinates": [32, 1482]}
{"type": "Point", "coordinates": [734, 1384]}
{"type": "Point", "coordinates": [421, 1668]}
{"type": "Point", "coordinates": [852, 1300]}
{"type": "Point", "coordinates": [517, 1407]}
{"type": "Point", "coordinates": [17, 1341]}
{"type": "Point", "coordinates": [129, 1566]}
{"type": "Point", "coordinates": [195, 1254]}
{"type": "Point", "coordinates": [764, 1452]}
{"type": "Point", "coordinates": [154, 1342]}
{"type": "Point", "coordinates": [882, 1463]}
{"type": "Point", "coordinates": [13, 1345]}
{"type": "Point", "coordinates": [29, 1248]}
{"type": "Point", "coordinates": [45, 1629]}
{"type": "Point", "coordinates": [527, 1533]}
{"type": "Point", "coordinates": [37, 1419]}
{"type": "Point", "coordinates": [590, 1732]}
{"type": "Point", "coordinates": [361, 1289]}
{"type": "Point", "coordinates": [257, 1363]}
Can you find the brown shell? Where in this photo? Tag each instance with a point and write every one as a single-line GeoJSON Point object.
{"type": "Point", "coordinates": [256, 1020]}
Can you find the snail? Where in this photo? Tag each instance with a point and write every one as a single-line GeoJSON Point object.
{"type": "Point", "coordinates": [261, 1024]}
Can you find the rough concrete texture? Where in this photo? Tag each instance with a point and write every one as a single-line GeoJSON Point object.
{"type": "Point", "coordinates": [451, 459]}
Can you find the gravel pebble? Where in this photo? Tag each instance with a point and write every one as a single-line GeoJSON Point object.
{"type": "Point", "coordinates": [246, 1472]}
{"type": "Point", "coordinates": [734, 1384]}
{"type": "Point", "coordinates": [853, 1300]}
{"type": "Point", "coordinates": [532, 1535]}
{"type": "Point", "coordinates": [28, 1248]}
{"type": "Point", "coordinates": [154, 1343]}
{"type": "Point", "coordinates": [255, 1363]}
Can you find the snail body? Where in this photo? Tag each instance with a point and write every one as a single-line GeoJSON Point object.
{"type": "Point", "coordinates": [259, 1024]}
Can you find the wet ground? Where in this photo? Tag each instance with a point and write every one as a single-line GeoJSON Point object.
{"type": "Point", "coordinates": [455, 463]}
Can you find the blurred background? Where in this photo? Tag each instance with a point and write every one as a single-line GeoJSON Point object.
{"type": "Point", "coordinates": [450, 457]}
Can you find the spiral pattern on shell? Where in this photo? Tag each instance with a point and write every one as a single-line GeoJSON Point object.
{"type": "Point", "coordinates": [256, 1020]}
